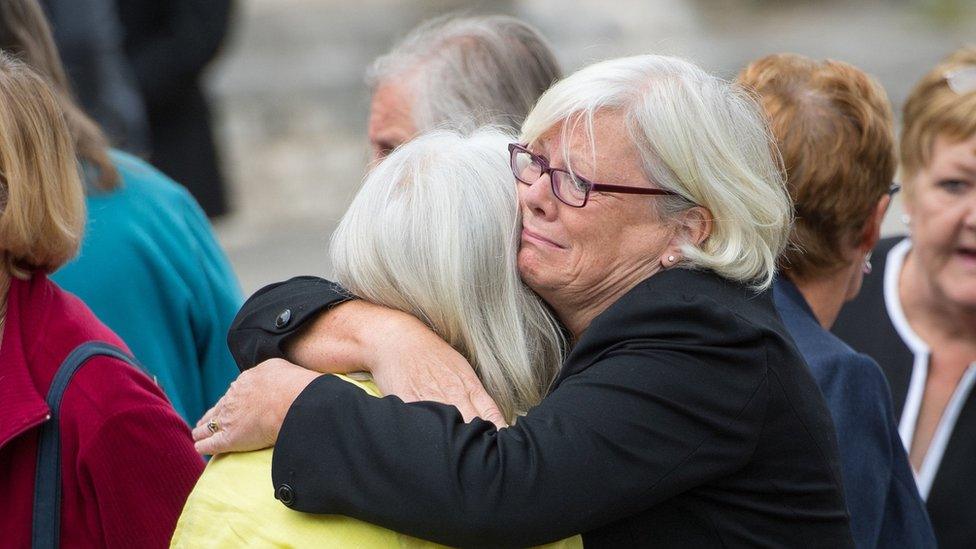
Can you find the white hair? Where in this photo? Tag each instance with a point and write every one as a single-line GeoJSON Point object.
{"type": "Point", "coordinates": [466, 72]}
{"type": "Point", "coordinates": [700, 136]}
{"type": "Point", "coordinates": [434, 232]}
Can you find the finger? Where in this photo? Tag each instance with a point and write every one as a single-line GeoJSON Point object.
{"type": "Point", "coordinates": [467, 409]}
{"type": "Point", "coordinates": [207, 416]}
{"type": "Point", "coordinates": [486, 409]}
{"type": "Point", "coordinates": [213, 445]}
{"type": "Point", "coordinates": [201, 432]}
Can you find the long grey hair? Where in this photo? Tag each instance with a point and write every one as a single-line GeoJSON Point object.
{"type": "Point", "coordinates": [434, 231]}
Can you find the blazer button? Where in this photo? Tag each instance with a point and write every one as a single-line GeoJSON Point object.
{"type": "Point", "coordinates": [285, 495]}
{"type": "Point", "coordinates": [284, 317]}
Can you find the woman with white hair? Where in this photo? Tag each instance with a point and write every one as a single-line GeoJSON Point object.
{"type": "Point", "coordinates": [440, 209]}
{"type": "Point", "coordinates": [653, 212]}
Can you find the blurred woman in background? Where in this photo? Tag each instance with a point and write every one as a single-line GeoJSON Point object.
{"type": "Point", "coordinates": [125, 459]}
{"type": "Point", "coordinates": [149, 267]}
{"type": "Point", "coordinates": [916, 314]}
{"type": "Point", "coordinates": [834, 129]}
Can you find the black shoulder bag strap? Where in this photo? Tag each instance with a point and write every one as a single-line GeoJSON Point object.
{"type": "Point", "coordinates": [47, 478]}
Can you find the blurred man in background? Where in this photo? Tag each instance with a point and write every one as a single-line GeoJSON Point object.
{"type": "Point", "coordinates": [169, 45]}
{"type": "Point", "coordinates": [461, 72]}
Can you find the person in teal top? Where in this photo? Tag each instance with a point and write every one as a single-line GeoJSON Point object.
{"type": "Point", "coordinates": [150, 267]}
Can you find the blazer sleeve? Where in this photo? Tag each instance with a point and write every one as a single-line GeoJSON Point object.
{"type": "Point", "coordinates": [634, 429]}
{"type": "Point", "coordinates": [277, 312]}
{"type": "Point", "coordinates": [856, 392]}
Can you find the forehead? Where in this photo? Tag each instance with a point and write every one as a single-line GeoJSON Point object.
{"type": "Point", "coordinates": [390, 112]}
{"type": "Point", "coordinates": [608, 150]}
{"type": "Point", "coordinates": [946, 150]}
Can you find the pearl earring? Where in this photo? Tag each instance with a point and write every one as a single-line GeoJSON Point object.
{"type": "Point", "coordinates": [906, 219]}
{"type": "Point", "coordinates": [670, 259]}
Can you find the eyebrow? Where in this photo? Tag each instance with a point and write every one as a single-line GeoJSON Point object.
{"type": "Point", "coordinates": [968, 168]}
{"type": "Point", "coordinates": [384, 143]}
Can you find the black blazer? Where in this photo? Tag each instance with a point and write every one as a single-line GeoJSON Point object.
{"type": "Point", "coordinates": [683, 417]}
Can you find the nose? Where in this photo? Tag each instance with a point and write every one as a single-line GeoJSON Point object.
{"type": "Point", "coordinates": [538, 198]}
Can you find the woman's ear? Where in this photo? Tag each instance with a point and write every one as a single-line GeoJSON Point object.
{"type": "Point", "coordinates": [871, 232]}
{"type": "Point", "coordinates": [697, 225]}
{"type": "Point", "coordinates": [693, 226]}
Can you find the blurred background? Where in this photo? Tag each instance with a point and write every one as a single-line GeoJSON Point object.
{"type": "Point", "coordinates": [290, 104]}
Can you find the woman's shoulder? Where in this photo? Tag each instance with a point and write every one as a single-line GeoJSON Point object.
{"type": "Point", "coordinates": [149, 230]}
{"type": "Point", "coordinates": [145, 192]}
{"type": "Point", "coordinates": [692, 319]}
{"type": "Point", "coordinates": [679, 304]}
{"type": "Point", "coordinates": [59, 324]}
{"type": "Point", "coordinates": [233, 502]}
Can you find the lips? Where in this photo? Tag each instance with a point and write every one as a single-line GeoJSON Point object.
{"type": "Point", "coordinates": [969, 252]}
{"type": "Point", "coordinates": [537, 238]}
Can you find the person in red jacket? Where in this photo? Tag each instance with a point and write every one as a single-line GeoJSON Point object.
{"type": "Point", "coordinates": [126, 458]}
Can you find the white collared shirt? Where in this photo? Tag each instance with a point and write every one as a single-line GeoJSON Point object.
{"type": "Point", "coordinates": [920, 369]}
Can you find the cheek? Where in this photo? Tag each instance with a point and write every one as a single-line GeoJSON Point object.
{"type": "Point", "coordinates": [934, 231]}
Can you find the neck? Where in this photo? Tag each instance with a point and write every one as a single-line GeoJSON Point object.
{"type": "Point", "coordinates": [826, 295]}
{"type": "Point", "coordinates": [577, 309]}
{"type": "Point", "coordinates": [929, 312]}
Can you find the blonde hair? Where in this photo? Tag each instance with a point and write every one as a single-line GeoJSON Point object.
{"type": "Point", "coordinates": [434, 232]}
{"type": "Point", "coordinates": [933, 109]}
{"type": "Point", "coordinates": [835, 130]}
{"type": "Point", "coordinates": [42, 207]}
{"type": "Point", "coordinates": [466, 72]}
{"type": "Point", "coordinates": [699, 136]}
{"type": "Point", "coordinates": [25, 33]}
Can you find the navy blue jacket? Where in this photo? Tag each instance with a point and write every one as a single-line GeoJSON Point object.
{"type": "Point", "coordinates": [884, 503]}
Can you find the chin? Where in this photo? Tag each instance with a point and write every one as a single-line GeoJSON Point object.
{"type": "Point", "coordinates": [534, 271]}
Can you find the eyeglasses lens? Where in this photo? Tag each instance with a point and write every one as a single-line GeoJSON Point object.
{"type": "Point", "coordinates": [525, 168]}
{"type": "Point", "coordinates": [570, 189]}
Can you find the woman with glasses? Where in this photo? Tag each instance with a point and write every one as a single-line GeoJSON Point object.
{"type": "Point", "coordinates": [916, 314]}
{"type": "Point", "coordinates": [653, 211]}
{"type": "Point", "coordinates": [831, 110]}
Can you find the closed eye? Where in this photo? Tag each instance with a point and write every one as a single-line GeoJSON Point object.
{"type": "Point", "coordinates": [954, 186]}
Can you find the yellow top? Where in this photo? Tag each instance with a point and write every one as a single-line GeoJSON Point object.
{"type": "Point", "coordinates": [233, 505]}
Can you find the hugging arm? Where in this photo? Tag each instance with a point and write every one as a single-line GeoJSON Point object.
{"type": "Point", "coordinates": [607, 443]}
{"type": "Point", "coordinates": [274, 317]}
{"type": "Point", "coordinates": [301, 321]}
